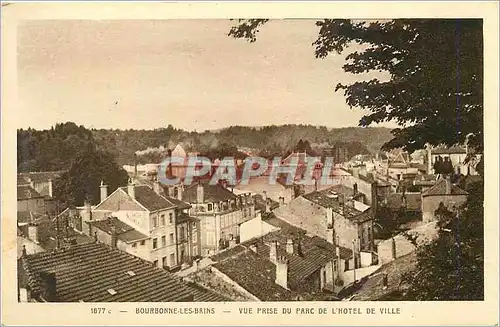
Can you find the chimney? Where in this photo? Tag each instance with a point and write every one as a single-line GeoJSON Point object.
{"type": "Point", "coordinates": [253, 247]}
{"type": "Point", "coordinates": [355, 171]}
{"type": "Point", "coordinates": [24, 253]}
{"type": "Point", "coordinates": [169, 171]}
{"type": "Point", "coordinates": [315, 184]}
{"type": "Point", "coordinates": [264, 196]}
{"type": "Point", "coordinates": [50, 281]}
{"type": "Point", "coordinates": [289, 246]}
{"type": "Point", "coordinates": [273, 251]}
{"type": "Point", "coordinates": [33, 232]}
{"type": "Point", "coordinates": [95, 237]}
{"type": "Point", "coordinates": [199, 193]}
{"type": "Point", "coordinates": [171, 191]}
{"type": "Point", "coordinates": [355, 187]}
{"type": "Point", "coordinates": [299, 247]}
{"type": "Point", "coordinates": [282, 200]}
{"type": "Point", "coordinates": [429, 159]}
{"type": "Point", "coordinates": [131, 188]}
{"type": "Point", "coordinates": [385, 281]}
{"type": "Point", "coordinates": [114, 237]}
{"type": "Point", "coordinates": [268, 205]}
{"type": "Point", "coordinates": [50, 187]}
{"type": "Point", "coordinates": [393, 248]}
{"type": "Point", "coordinates": [104, 191]}
{"type": "Point", "coordinates": [180, 189]}
{"type": "Point", "coordinates": [282, 272]}
{"type": "Point", "coordinates": [156, 186]}
{"type": "Point", "coordinates": [135, 164]}
{"type": "Point", "coordinates": [337, 251]}
{"type": "Point", "coordinates": [448, 184]}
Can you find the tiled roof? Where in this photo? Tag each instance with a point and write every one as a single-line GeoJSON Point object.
{"type": "Point", "coordinates": [182, 218]}
{"type": "Point", "coordinates": [261, 204]}
{"type": "Point", "coordinates": [413, 201]}
{"type": "Point", "coordinates": [327, 201]}
{"type": "Point", "coordinates": [24, 217]}
{"type": "Point", "coordinates": [448, 150]}
{"type": "Point", "coordinates": [178, 203]}
{"type": "Point", "coordinates": [25, 192]}
{"type": "Point", "coordinates": [342, 189]}
{"type": "Point", "coordinates": [202, 294]}
{"type": "Point", "coordinates": [39, 177]}
{"type": "Point", "coordinates": [124, 232]}
{"type": "Point", "coordinates": [256, 273]}
{"type": "Point", "coordinates": [149, 199]}
{"type": "Point", "coordinates": [211, 193]}
{"type": "Point", "coordinates": [86, 272]}
{"type": "Point", "coordinates": [440, 189]}
{"type": "Point", "coordinates": [372, 288]}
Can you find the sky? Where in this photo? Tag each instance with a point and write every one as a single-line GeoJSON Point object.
{"type": "Point", "coordinates": [146, 74]}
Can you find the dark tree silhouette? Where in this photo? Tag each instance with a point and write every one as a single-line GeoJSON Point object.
{"type": "Point", "coordinates": [435, 67]}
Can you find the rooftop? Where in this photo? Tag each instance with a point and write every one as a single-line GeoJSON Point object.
{"type": "Point", "coordinates": [86, 272]}
{"type": "Point", "coordinates": [330, 201]}
{"type": "Point", "coordinates": [25, 192]}
{"type": "Point", "coordinates": [124, 232]}
{"type": "Point", "coordinates": [440, 189]}
{"type": "Point", "coordinates": [149, 199]}
{"type": "Point", "coordinates": [254, 271]}
{"type": "Point", "coordinates": [211, 193]}
{"type": "Point", "coordinates": [413, 201]}
{"type": "Point", "coordinates": [449, 150]}
{"type": "Point", "coordinates": [372, 288]}
{"type": "Point", "coordinates": [38, 177]}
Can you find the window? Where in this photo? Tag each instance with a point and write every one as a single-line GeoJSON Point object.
{"type": "Point", "coordinates": [163, 240]}
{"type": "Point", "coordinates": [162, 220]}
{"type": "Point", "coordinates": [164, 261]}
{"type": "Point", "coordinates": [155, 222]}
{"type": "Point", "coordinates": [143, 242]}
{"type": "Point", "coordinates": [183, 232]}
{"type": "Point", "coordinates": [134, 245]}
{"type": "Point", "coordinates": [155, 243]}
{"type": "Point", "coordinates": [210, 207]}
{"type": "Point", "coordinates": [182, 256]}
{"type": "Point", "coordinates": [172, 260]}
{"type": "Point", "coordinates": [172, 238]}
{"type": "Point", "coordinates": [155, 263]}
{"type": "Point", "coordinates": [170, 218]}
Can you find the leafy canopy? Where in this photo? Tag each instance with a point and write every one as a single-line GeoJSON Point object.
{"type": "Point", "coordinates": [434, 89]}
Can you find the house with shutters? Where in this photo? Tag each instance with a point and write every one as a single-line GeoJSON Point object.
{"type": "Point", "coordinates": [220, 213]}
{"type": "Point", "coordinates": [141, 220]}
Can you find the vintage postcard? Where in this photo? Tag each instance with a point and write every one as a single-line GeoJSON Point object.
{"type": "Point", "coordinates": [250, 163]}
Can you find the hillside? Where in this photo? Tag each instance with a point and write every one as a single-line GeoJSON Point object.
{"type": "Point", "coordinates": [268, 139]}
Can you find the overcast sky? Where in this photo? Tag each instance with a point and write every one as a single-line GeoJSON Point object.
{"type": "Point", "coordinates": [188, 73]}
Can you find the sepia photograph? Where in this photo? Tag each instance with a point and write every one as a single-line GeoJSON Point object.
{"type": "Point", "coordinates": [250, 160]}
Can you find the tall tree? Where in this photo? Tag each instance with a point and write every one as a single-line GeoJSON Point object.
{"type": "Point", "coordinates": [84, 176]}
{"type": "Point", "coordinates": [452, 267]}
{"type": "Point", "coordinates": [434, 89]}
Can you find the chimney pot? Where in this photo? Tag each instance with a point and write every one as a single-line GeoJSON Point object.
{"type": "Point", "coordinates": [289, 246]}
{"type": "Point", "coordinates": [131, 188]}
{"type": "Point", "coordinates": [200, 193]}
{"type": "Point", "coordinates": [50, 187]}
{"type": "Point", "coordinates": [273, 252]}
{"type": "Point", "coordinates": [282, 272]}
{"type": "Point", "coordinates": [104, 191]}
{"type": "Point", "coordinates": [448, 184]}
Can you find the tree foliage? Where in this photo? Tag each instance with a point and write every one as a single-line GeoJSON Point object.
{"type": "Point", "coordinates": [452, 267]}
{"type": "Point", "coordinates": [87, 170]}
{"type": "Point", "coordinates": [72, 148]}
{"type": "Point", "coordinates": [434, 89]}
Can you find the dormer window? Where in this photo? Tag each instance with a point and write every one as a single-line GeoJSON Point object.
{"type": "Point", "coordinates": [112, 291]}
{"type": "Point", "coordinates": [131, 273]}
